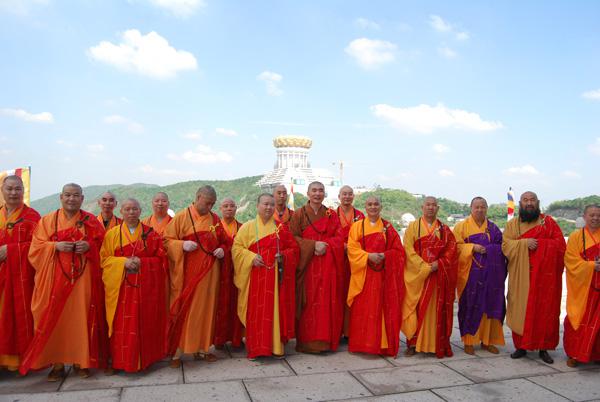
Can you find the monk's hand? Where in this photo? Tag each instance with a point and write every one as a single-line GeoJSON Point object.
{"type": "Point", "coordinates": [320, 247]}
{"type": "Point", "coordinates": [64, 246]}
{"type": "Point", "coordinates": [81, 246]}
{"type": "Point", "coordinates": [189, 245]}
{"type": "Point", "coordinates": [219, 253]}
{"type": "Point", "coordinates": [131, 265]}
{"type": "Point", "coordinates": [597, 264]}
{"type": "Point", "coordinates": [434, 266]}
{"type": "Point", "coordinates": [376, 258]}
{"type": "Point", "coordinates": [258, 261]}
{"type": "Point", "coordinates": [3, 253]}
{"type": "Point", "coordinates": [532, 244]}
{"type": "Point", "coordinates": [479, 249]}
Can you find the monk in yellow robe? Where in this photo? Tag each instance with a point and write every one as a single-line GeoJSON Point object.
{"type": "Point", "coordinates": [582, 260]}
{"type": "Point", "coordinates": [160, 217]}
{"type": "Point", "coordinates": [430, 280]}
{"type": "Point", "coordinates": [265, 256]}
{"type": "Point", "coordinates": [107, 203]}
{"type": "Point", "coordinates": [17, 222]}
{"type": "Point", "coordinates": [282, 213]}
{"type": "Point", "coordinates": [134, 271]}
{"type": "Point", "coordinates": [195, 241]}
{"type": "Point", "coordinates": [68, 297]}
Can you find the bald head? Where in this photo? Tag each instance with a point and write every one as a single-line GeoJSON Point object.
{"type": "Point", "coordinates": [529, 195]}
{"type": "Point", "coordinates": [108, 203]}
{"type": "Point", "coordinates": [160, 204]}
{"type": "Point", "coordinates": [529, 207]}
{"type": "Point", "coordinates": [206, 196]}
{"type": "Point", "coordinates": [162, 195]}
{"type": "Point", "coordinates": [430, 208]}
{"type": "Point", "coordinates": [131, 211]}
{"type": "Point", "coordinates": [346, 196]}
{"type": "Point", "coordinates": [208, 191]}
{"type": "Point", "coordinates": [280, 195]}
{"type": "Point", "coordinates": [73, 186]}
{"type": "Point", "coordinates": [12, 191]}
{"type": "Point", "coordinates": [71, 198]}
{"type": "Point", "coordinates": [228, 209]}
{"type": "Point", "coordinates": [13, 178]}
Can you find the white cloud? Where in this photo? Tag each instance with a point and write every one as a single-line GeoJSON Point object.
{"type": "Point", "coordinates": [595, 147]}
{"type": "Point", "coordinates": [426, 119]}
{"type": "Point", "coordinates": [371, 53]}
{"type": "Point", "coordinates": [44, 117]}
{"type": "Point", "coordinates": [272, 81]}
{"type": "Point", "coordinates": [592, 95]}
{"type": "Point", "coordinates": [446, 173]}
{"type": "Point", "coordinates": [149, 55]}
{"type": "Point", "coordinates": [438, 24]}
{"type": "Point", "coordinates": [5, 151]}
{"type": "Point", "coordinates": [226, 132]}
{"type": "Point", "coordinates": [365, 23]}
{"type": "Point", "coordinates": [179, 8]}
{"type": "Point", "coordinates": [441, 148]}
{"type": "Point", "coordinates": [202, 154]}
{"type": "Point", "coordinates": [571, 174]}
{"type": "Point", "coordinates": [132, 126]}
{"type": "Point", "coordinates": [21, 7]}
{"type": "Point", "coordinates": [192, 135]}
{"type": "Point", "coordinates": [446, 52]}
{"type": "Point", "coordinates": [95, 148]}
{"type": "Point", "coordinates": [525, 170]}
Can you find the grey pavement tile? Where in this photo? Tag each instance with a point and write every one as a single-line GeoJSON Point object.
{"type": "Point", "coordinates": [508, 390]}
{"type": "Point", "coordinates": [158, 374]}
{"type": "Point", "coordinates": [334, 362]}
{"type": "Point", "coordinates": [210, 391]}
{"type": "Point", "coordinates": [417, 396]}
{"type": "Point", "coordinates": [101, 395]}
{"type": "Point", "coordinates": [498, 368]}
{"type": "Point", "coordinates": [414, 378]}
{"type": "Point", "coordinates": [577, 386]}
{"type": "Point", "coordinates": [313, 387]}
{"type": "Point", "coordinates": [560, 361]}
{"type": "Point", "coordinates": [34, 381]}
{"type": "Point", "coordinates": [234, 369]}
{"type": "Point", "coordinates": [427, 358]}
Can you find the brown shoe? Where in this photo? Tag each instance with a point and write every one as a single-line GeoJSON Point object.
{"type": "Point", "coordinates": [572, 362]}
{"type": "Point", "coordinates": [490, 348]}
{"type": "Point", "coordinates": [82, 373]}
{"type": "Point", "coordinates": [57, 373]}
{"type": "Point", "coordinates": [410, 351]}
{"type": "Point", "coordinates": [109, 371]}
{"type": "Point", "coordinates": [175, 363]}
{"type": "Point", "coordinates": [469, 349]}
{"type": "Point", "coordinates": [207, 357]}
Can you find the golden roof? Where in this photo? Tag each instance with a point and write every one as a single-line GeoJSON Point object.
{"type": "Point", "coordinates": [292, 141]}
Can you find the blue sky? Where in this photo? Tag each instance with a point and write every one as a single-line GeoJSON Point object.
{"type": "Point", "coordinates": [453, 99]}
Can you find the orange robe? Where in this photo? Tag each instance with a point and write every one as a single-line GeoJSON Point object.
{"type": "Point", "coordinates": [114, 221]}
{"type": "Point", "coordinates": [376, 291]}
{"type": "Point", "coordinates": [68, 297]}
{"type": "Point", "coordinates": [16, 284]}
{"type": "Point", "coordinates": [582, 324]}
{"type": "Point", "coordinates": [283, 218]}
{"type": "Point", "coordinates": [194, 280]}
{"type": "Point", "coordinates": [159, 227]}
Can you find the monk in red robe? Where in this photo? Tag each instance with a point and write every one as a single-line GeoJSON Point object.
{"type": "Point", "coordinates": [430, 280]}
{"type": "Point", "coordinates": [377, 283]}
{"type": "Point", "coordinates": [534, 246]}
{"type": "Point", "coordinates": [17, 222]}
{"type": "Point", "coordinates": [160, 218]}
{"type": "Point", "coordinates": [347, 215]}
{"type": "Point", "coordinates": [134, 271]}
{"type": "Point", "coordinates": [282, 213]}
{"type": "Point", "coordinates": [319, 310]}
{"type": "Point", "coordinates": [68, 297]}
{"type": "Point", "coordinates": [229, 328]}
{"type": "Point", "coordinates": [195, 241]}
{"type": "Point", "coordinates": [107, 203]}
{"type": "Point", "coordinates": [582, 260]}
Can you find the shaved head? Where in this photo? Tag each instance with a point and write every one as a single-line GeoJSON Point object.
{"type": "Point", "coordinates": [161, 193]}
{"type": "Point", "coordinates": [107, 194]}
{"type": "Point", "coordinates": [227, 200]}
{"type": "Point", "coordinates": [430, 198]}
{"type": "Point", "coordinates": [73, 185]}
{"type": "Point", "coordinates": [279, 187]}
{"type": "Point", "coordinates": [315, 183]}
{"type": "Point", "coordinates": [208, 191]}
{"type": "Point", "coordinates": [345, 188]}
{"type": "Point", "coordinates": [529, 194]}
{"type": "Point", "coordinates": [130, 201]}
{"type": "Point", "coordinates": [13, 177]}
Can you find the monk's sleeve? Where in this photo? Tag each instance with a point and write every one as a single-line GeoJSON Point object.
{"type": "Point", "coordinates": [113, 270]}
{"type": "Point", "coordinates": [579, 279]}
{"type": "Point", "coordinates": [175, 253]}
{"type": "Point", "coordinates": [395, 259]}
{"type": "Point", "coordinates": [358, 262]}
{"type": "Point", "coordinates": [512, 246]}
{"type": "Point", "coordinates": [41, 257]}
{"type": "Point", "coordinates": [242, 264]}
{"type": "Point", "coordinates": [465, 257]}
{"type": "Point", "coordinates": [417, 264]}
{"type": "Point", "coordinates": [307, 246]}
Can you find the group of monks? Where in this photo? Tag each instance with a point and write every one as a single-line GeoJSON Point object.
{"type": "Point", "coordinates": [122, 293]}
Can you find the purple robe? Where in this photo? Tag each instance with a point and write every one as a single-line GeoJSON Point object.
{"type": "Point", "coordinates": [484, 291]}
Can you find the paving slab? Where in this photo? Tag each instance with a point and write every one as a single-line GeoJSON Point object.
{"type": "Point", "coordinates": [234, 369]}
{"type": "Point", "coordinates": [334, 362]}
{"type": "Point", "coordinates": [210, 391]}
{"type": "Point", "coordinates": [427, 358]}
{"type": "Point", "coordinates": [313, 387]}
{"type": "Point", "coordinates": [34, 381]}
{"type": "Point", "coordinates": [560, 361]}
{"type": "Point", "coordinates": [498, 368]}
{"type": "Point", "coordinates": [417, 396]}
{"type": "Point", "coordinates": [101, 395]}
{"type": "Point", "coordinates": [158, 374]}
{"type": "Point", "coordinates": [577, 386]}
{"type": "Point", "coordinates": [413, 378]}
{"type": "Point", "coordinates": [499, 391]}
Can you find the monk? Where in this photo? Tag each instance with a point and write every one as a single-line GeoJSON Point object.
{"type": "Point", "coordinates": [376, 290]}
{"type": "Point", "coordinates": [68, 296]}
{"type": "Point", "coordinates": [347, 215]}
{"type": "Point", "coordinates": [582, 260]}
{"type": "Point", "coordinates": [481, 277]}
{"type": "Point", "coordinates": [319, 311]}
{"type": "Point", "coordinates": [134, 271]}
{"type": "Point", "coordinates": [282, 213]}
{"type": "Point", "coordinates": [17, 222]}
{"type": "Point", "coordinates": [160, 218]}
{"type": "Point", "coordinates": [265, 256]}
{"type": "Point", "coordinates": [195, 241]}
{"type": "Point", "coordinates": [430, 280]}
{"type": "Point", "coordinates": [107, 203]}
{"type": "Point", "coordinates": [228, 326]}
{"type": "Point", "coordinates": [535, 248]}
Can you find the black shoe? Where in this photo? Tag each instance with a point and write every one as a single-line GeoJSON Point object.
{"type": "Point", "coordinates": [517, 354]}
{"type": "Point", "coordinates": [546, 357]}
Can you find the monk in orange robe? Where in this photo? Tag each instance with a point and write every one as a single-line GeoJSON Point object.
{"type": "Point", "coordinates": [68, 297]}
{"type": "Point", "coordinates": [430, 280]}
{"type": "Point", "coordinates": [265, 257]}
{"type": "Point", "coordinates": [17, 222]}
{"type": "Point", "coordinates": [134, 271]}
{"type": "Point", "coordinates": [319, 311]}
{"type": "Point", "coordinates": [534, 246]}
{"type": "Point", "coordinates": [377, 283]}
{"type": "Point", "coordinates": [160, 218]}
{"type": "Point", "coordinates": [282, 213]}
{"type": "Point", "coordinates": [582, 259]}
{"type": "Point", "coordinates": [195, 241]}
{"type": "Point", "coordinates": [229, 328]}
{"type": "Point", "coordinates": [347, 215]}
{"type": "Point", "coordinates": [107, 203]}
